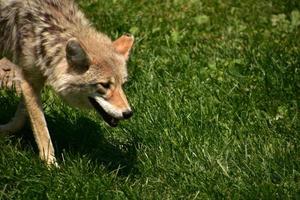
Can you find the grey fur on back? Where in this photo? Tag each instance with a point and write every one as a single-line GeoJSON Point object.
{"type": "Point", "coordinates": [34, 32]}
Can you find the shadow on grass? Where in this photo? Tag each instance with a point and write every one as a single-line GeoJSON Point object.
{"type": "Point", "coordinates": [82, 137]}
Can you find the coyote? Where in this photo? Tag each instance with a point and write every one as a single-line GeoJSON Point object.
{"type": "Point", "coordinates": [53, 43]}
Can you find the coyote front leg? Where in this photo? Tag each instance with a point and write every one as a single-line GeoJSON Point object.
{"type": "Point", "coordinates": [34, 108]}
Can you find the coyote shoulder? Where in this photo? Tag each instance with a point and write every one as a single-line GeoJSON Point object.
{"type": "Point", "coordinates": [53, 43]}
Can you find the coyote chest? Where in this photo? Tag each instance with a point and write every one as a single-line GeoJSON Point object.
{"type": "Point", "coordinates": [53, 43]}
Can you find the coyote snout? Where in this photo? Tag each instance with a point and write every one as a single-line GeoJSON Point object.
{"type": "Point", "coordinates": [113, 108]}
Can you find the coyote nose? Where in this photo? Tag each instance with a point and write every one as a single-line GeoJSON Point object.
{"type": "Point", "coordinates": [127, 114]}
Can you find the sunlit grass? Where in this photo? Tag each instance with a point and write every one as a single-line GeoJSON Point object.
{"type": "Point", "coordinates": [215, 89]}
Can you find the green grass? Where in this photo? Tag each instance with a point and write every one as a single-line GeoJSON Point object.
{"type": "Point", "coordinates": [215, 87]}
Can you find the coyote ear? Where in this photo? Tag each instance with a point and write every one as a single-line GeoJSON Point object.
{"type": "Point", "coordinates": [123, 45]}
{"type": "Point", "coordinates": [77, 58]}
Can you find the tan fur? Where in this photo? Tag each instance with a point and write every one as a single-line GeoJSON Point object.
{"type": "Point", "coordinates": [52, 43]}
{"type": "Point", "coordinates": [8, 76]}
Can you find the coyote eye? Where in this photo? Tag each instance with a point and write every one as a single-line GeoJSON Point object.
{"type": "Point", "coordinates": [105, 85]}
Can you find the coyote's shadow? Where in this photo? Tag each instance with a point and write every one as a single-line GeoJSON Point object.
{"type": "Point", "coordinates": [84, 137]}
{"type": "Point", "coordinates": [81, 136]}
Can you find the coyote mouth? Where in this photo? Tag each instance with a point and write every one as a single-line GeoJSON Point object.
{"type": "Point", "coordinates": [113, 122]}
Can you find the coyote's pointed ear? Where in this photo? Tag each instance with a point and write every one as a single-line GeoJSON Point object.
{"type": "Point", "coordinates": [123, 45]}
{"type": "Point", "coordinates": [77, 58]}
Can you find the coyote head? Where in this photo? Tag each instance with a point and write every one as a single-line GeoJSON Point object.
{"type": "Point", "coordinates": [94, 75]}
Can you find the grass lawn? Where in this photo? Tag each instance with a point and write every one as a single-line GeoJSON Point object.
{"type": "Point", "coordinates": [215, 86]}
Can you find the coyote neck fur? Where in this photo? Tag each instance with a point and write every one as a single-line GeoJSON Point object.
{"type": "Point", "coordinates": [34, 33]}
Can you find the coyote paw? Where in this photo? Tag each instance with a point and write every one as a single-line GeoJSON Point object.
{"type": "Point", "coordinates": [51, 162]}
{"type": "Point", "coordinates": [8, 129]}
{"type": "Point", "coordinates": [4, 130]}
